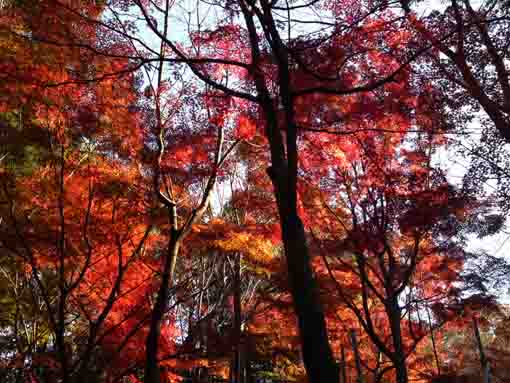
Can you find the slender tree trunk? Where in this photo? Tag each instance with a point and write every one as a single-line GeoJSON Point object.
{"type": "Point", "coordinates": [399, 359]}
{"type": "Point", "coordinates": [61, 310]}
{"type": "Point", "coordinates": [434, 348]}
{"type": "Point", "coordinates": [152, 373]}
{"type": "Point", "coordinates": [236, 370]}
{"type": "Point", "coordinates": [249, 372]}
{"type": "Point", "coordinates": [401, 370]}
{"type": "Point", "coordinates": [357, 359]}
{"type": "Point", "coordinates": [343, 369]}
{"type": "Point", "coordinates": [378, 364]}
{"type": "Point", "coordinates": [483, 358]}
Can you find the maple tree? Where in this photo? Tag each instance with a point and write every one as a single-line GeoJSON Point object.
{"type": "Point", "coordinates": [387, 218]}
{"type": "Point", "coordinates": [67, 220]}
{"type": "Point", "coordinates": [47, 218]}
{"type": "Point", "coordinates": [469, 38]}
{"type": "Point", "coordinates": [468, 60]}
{"type": "Point", "coordinates": [122, 137]}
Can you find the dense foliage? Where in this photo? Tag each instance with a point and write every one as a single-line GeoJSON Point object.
{"type": "Point", "coordinates": [245, 190]}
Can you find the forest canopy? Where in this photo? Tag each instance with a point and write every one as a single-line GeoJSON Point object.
{"type": "Point", "coordinates": [254, 191]}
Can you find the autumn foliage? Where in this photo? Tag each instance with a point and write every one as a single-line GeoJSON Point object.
{"type": "Point", "coordinates": [241, 190]}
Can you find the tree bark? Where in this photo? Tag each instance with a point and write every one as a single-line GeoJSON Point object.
{"type": "Point", "coordinates": [152, 373]}
{"type": "Point", "coordinates": [434, 348]}
{"type": "Point", "coordinates": [483, 358]}
{"type": "Point", "coordinates": [399, 358]}
{"type": "Point", "coordinates": [317, 355]}
{"type": "Point", "coordinates": [236, 371]}
{"type": "Point", "coordinates": [343, 369]}
{"type": "Point", "coordinates": [357, 359]}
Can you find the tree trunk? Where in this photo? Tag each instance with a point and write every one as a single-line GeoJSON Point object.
{"type": "Point", "coordinates": [343, 369]}
{"type": "Point", "coordinates": [483, 359]}
{"type": "Point", "coordinates": [236, 370]}
{"type": "Point", "coordinates": [399, 358]}
{"type": "Point", "coordinates": [152, 373]}
{"type": "Point", "coordinates": [434, 348]}
{"type": "Point", "coordinates": [317, 355]}
{"type": "Point", "coordinates": [357, 359]}
{"type": "Point", "coordinates": [249, 372]}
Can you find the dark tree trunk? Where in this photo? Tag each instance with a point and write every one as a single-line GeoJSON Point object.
{"type": "Point", "coordinates": [236, 370]}
{"type": "Point", "coordinates": [317, 354]}
{"type": "Point", "coordinates": [357, 359]}
{"type": "Point", "coordinates": [434, 348]}
{"type": "Point", "coordinates": [483, 358]}
{"type": "Point", "coordinates": [399, 357]}
{"type": "Point", "coordinates": [343, 369]}
{"type": "Point", "coordinates": [152, 373]}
